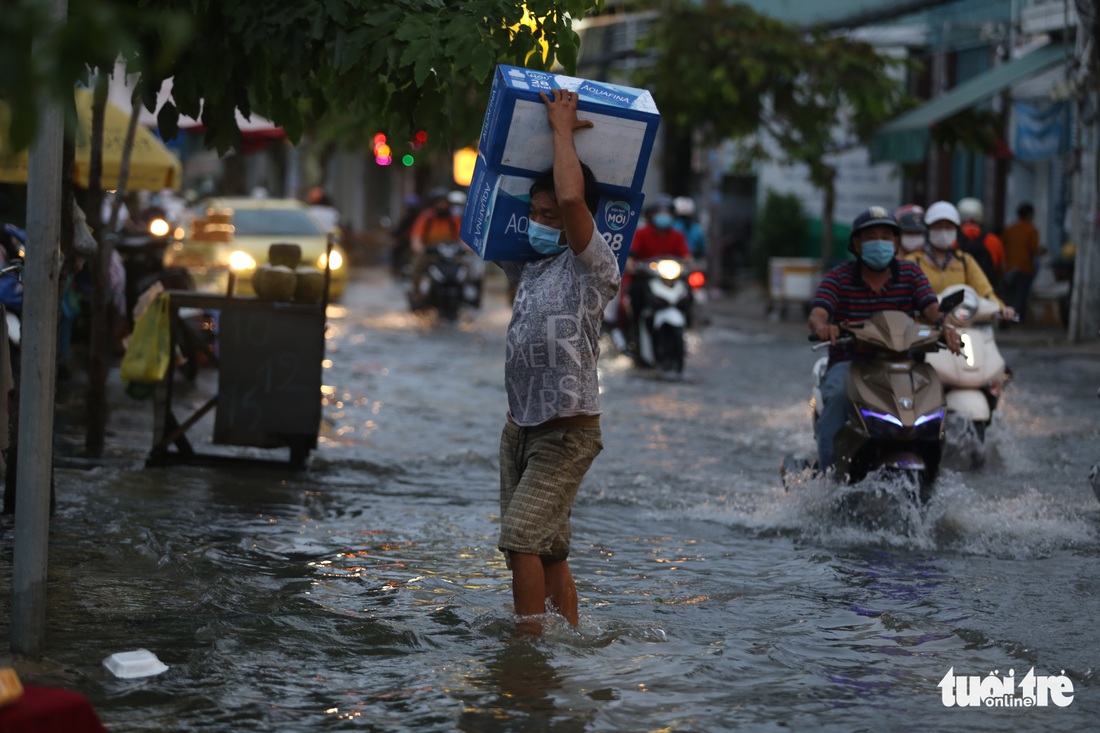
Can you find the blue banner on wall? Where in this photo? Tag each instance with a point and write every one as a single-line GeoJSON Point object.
{"type": "Point", "coordinates": [1041, 131]}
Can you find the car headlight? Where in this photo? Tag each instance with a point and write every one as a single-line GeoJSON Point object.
{"type": "Point", "coordinates": [239, 260]}
{"type": "Point", "coordinates": [337, 261]}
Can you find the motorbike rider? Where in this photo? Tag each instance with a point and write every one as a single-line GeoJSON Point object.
{"type": "Point", "coordinates": [688, 224]}
{"type": "Point", "coordinates": [654, 239]}
{"type": "Point", "coordinates": [945, 265]}
{"type": "Point", "coordinates": [914, 232]}
{"type": "Point", "coordinates": [983, 245]}
{"type": "Point", "coordinates": [435, 224]}
{"type": "Point", "coordinates": [399, 255]}
{"type": "Point", "coordinates": [854, 290]}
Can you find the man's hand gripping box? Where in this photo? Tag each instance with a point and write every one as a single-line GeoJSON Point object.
{"type": "Point", "coordinates": [516, 138]}
{"type": "Point", "coordinates": [498, 207]}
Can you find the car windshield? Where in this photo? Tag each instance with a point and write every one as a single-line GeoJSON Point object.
{"type": "Point", "coordinates": [249, 222]}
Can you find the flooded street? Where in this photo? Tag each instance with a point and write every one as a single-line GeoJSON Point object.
{"type": "Point", "coordinates": [368, 594]}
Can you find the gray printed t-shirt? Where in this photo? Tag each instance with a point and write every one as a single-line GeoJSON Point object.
{"type": "Point", "coordinates": [553, 338]}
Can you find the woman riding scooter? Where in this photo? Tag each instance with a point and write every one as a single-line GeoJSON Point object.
{"type": "Point", "coordinates": [944, 264]}
{"type": "Point", "coordinates": [974, 385]}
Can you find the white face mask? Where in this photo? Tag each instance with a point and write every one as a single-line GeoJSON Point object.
{"type": "Point", "coordinates": [941, 238]}
{"type": "Point", "coordinates": [912, 242]}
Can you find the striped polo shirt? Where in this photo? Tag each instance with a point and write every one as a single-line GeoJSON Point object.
{"type": "Point", "coordinates": [846, 297]}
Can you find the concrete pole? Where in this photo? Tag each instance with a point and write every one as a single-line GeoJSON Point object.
{"type": "Point", "coordinates": [1084, 317]}
{"type": "Point", "coordinates": [39, 347]}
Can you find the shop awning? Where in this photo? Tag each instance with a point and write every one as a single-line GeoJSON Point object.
{"type": "Point", "coordinates": [152, 165]}
{"type": "Point", "coordinates": [905, 139]}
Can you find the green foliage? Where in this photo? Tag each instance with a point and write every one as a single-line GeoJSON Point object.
{"type": "Point", "coordinates": [731, 72]}
{"type": "Point", "coordinates": [397, 65]}
{"type": "Point", "coordinates": [93, 36]}
{"type": "Point", "coordinates": [780, 231]}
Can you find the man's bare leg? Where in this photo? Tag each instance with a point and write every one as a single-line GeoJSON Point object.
{"type": "Point", "coordinates": [528, 589]}
{"type": "Point", "coordinates": [561, 590]}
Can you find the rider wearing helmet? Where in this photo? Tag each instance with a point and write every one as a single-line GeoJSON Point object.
{"type": "Point", "coordinates": [853, 291]}
{"type": "Point", "coordinates": [913, 230]}
{"type": "Point", "coordinates": [985, 246]}
{"type": "Point", "coordinates": [655, 239]}
{"type": "Point", "coordinates": [945, 265]}
{"type": "Point", "coordinates": [688, 225]}
{"type": "Point", "coordinates": [435, 224]}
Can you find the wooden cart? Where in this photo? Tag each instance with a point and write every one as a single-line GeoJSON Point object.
{"type": "Point", "coordinates": [269, 359]}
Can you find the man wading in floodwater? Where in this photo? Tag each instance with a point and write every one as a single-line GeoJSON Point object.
{"type": "Point", "coordinates": [553, 430]}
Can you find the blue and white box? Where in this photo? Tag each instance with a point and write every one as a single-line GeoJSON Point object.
{"type": "Point", "coordinates": [516, 138]}
{"type": "Point", "coordinates": [498, 208]}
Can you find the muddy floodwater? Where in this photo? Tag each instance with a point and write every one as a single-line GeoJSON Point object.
{"type": "Point", "coordinates": [367, 592]}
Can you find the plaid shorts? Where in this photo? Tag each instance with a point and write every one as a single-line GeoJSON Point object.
{"type": "Point", "coordinates": [541, 469]}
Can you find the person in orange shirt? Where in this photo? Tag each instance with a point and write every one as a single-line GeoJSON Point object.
{"type": "Point", "coordinates": [1021, 241]}
{"type": "Point", "coordinates": [984, 246]}
{"type": "Point", "coordinates": [435, 224]}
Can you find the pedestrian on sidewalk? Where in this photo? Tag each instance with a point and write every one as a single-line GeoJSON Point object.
{"type": "Point", "coordinates": [1021, 242]}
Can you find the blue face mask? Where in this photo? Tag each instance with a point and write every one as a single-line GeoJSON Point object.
{"type": "Point", "coordinates": [877, 254]}
{"type": "Point", "coordinates": [662, 221]}
{"type": "Point", "coordinates": [544, 239]}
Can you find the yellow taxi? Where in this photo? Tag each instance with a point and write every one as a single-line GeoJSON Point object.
{"type": "Point", "coordinates": [238, 241]}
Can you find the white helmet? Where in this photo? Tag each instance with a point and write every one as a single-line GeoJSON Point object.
{"type": "Point", "coordinates": [683, 206]}
{"type": "Point", "coordinates": [458, 198]}
{"type": "Point", "coordinates": [942, 211]}
{"type": "Point", "coordinates": [970, 209]}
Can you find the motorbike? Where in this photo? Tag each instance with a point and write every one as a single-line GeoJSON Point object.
{"type": "Point", "coordinates": [142, 252]}
{"type": "Point", "coordinates": [13, 242]}
{"type": "Point", "coordinates": [667, 311]}
{"type": "Point", "coordinates": [453, 279]}
{"type": "Point", "coordinates": [896, 402]}
{"type": "Point", "coordinates": [1094, 472]}
{"type": "Point", "coordinates": [974, 383]}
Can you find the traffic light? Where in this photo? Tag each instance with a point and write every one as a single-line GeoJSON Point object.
{"type": "Point", "coordinates": [382, 153]}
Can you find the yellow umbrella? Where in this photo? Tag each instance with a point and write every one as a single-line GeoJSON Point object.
{"type": "Point", "coordinates": [152, 165]}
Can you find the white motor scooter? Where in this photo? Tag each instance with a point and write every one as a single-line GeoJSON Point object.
{"type": "Point", "coordinates": [975, 380]}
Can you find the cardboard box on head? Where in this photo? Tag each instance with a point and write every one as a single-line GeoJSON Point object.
{"type": "Point", "coordinates": [516, 138]}
{"type": "Point", "coordinates": [498, 207]}
{"type": "Point", "coordinates": [517, 146]}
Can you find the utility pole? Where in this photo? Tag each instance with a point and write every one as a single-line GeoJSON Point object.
{"type": "Point", "coordinates": [39, 347]}
{"type": "Point", "coordinates": [1084, 317]}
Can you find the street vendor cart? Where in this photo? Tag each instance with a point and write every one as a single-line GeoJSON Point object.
{"type": "Point", "coordinates": [269, 362]}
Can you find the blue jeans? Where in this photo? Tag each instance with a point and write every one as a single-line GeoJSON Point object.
{"type": "Point", "coordinates": [834, 411]}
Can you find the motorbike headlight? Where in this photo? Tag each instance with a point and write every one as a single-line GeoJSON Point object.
{"type": "Point", "coordinates": [159, 227]}
{"type": "Point", "coordinates": [240, 260]}
{"type": "Point", "coordinates": [967, 348]}
{"type": "Point", "coordinates": [881, 416]}
{"type": "Point", "coordinates": [668, 269]}
{"type": "Point", "coordinates": [936, 415]}
{"type": "Point", "coordinates": [337, 261]}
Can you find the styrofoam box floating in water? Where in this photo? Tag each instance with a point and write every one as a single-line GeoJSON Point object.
{"type": "Point", "coordinates": [138, 663]}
